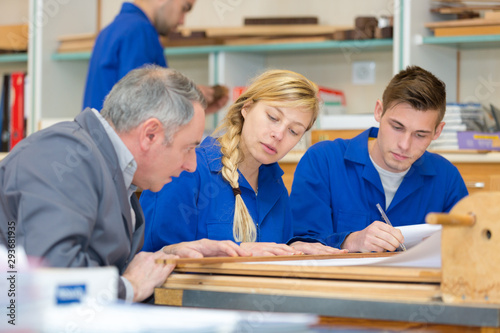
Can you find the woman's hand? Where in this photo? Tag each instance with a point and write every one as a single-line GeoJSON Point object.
{"type": "Point", "coordinates": [269, 249]}
{"type": "Point", "coordinates": [316, 248]}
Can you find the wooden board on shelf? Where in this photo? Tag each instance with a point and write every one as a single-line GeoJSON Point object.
{"type": "Point", "coordinates": [281, 20]}
{"type": "Point", "coordinates": [76, 46]}
{"type": "Point", "coordinates": [269, 30]}
{"type": "Point", "coordinates": [75, 37]}
{"type": "Point", "coordinates": [467, 31]}
{"type": "Point", "coordinates": [462, 23]}
{"type": "Point", "coordinates": [76, 43]}
{"type": "Point", "coordinates": [462, 9]}
{"type": "Point", "coordinates": [14, 37]}
{"type": "Point", "coordinates": [469, 27]}
{"type": "Point", "coordinates": [266, 40]}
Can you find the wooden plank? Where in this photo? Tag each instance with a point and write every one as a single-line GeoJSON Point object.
{"type": "Point", "coordinates": [462, 9]}
{"type": "Point", "coordinates": [467, 31]}
{"type": "Point", "coordinates": [216, 260]}
{"type": "Point", "coordinates": [98, 16]}
{"type": "Point", "coordinates": [492, 15]}
{"type": "Point", "coordinates": [305, 287]}
{"type": "Point", "coordinates": [14, 37]}
{"type": "Point", "coordinates": [462, 23]}
{"type": "Point", "coordinates": [361, 273]}
{"type": "Point", "coordinates": [267, 40]}
{"type": "Point", "coordinates": [75, 37]}
{"type": "Point", "coordinates": [280, 20]}
{"type": "Point", "coordinates": [272, 30]}
{"type": "Point", "coordinates": [76, 46]}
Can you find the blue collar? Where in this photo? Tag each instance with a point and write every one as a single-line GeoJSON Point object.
{"type": "Point", "coordinates": [211, 148]}
{"type": "Point", "coordinates": [130, 8]}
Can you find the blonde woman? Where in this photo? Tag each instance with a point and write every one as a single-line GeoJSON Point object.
{"type": "Point", "coordinates": [236, 192]}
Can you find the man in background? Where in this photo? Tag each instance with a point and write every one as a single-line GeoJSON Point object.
{"type": "Point", "coordinates": [132, 40]}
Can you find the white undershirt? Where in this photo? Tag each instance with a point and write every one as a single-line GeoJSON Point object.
{"type": "Point", "coordinates": [390, 182]}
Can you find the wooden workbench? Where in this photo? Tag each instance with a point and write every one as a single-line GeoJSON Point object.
{"type": "Point", "coordinates": [353, 295]}
{"type": "Point", "coordinates": [460, 295]}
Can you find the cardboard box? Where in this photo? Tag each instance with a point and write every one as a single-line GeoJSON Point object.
{"type": "Point", "coordinates": [479, 140]}
{"type": "Point", "coordinates": [14, 37]}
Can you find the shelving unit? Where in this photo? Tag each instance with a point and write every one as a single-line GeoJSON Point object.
{"type": "Point", "coordinates": [469, 65]}
{"type": "Point", "coordinates": [58, 79]}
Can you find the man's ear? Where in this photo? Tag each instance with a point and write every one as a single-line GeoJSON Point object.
{"type": "Point", "coordinates": [439, 129]}
{"type": "Point", "coordinates": [151, 132]}
{"type": "Point", "coordinates": [379, 110]}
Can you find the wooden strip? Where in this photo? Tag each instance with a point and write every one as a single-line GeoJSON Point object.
{"type": "Point", "coordinates": [14, 37]}
{"type": "Point", "coordinates": [280, 20]}
{"type": "Point", "coordinates": [305, 287]}
{"type": "Point", "coordinates": [462, 23]}
{"type": "Point", "coordinates": [362, 273]}
{"type": "Point", "coordinates": [75, 37]}
{"type": "Point", "coordinates": [98, 16]}
{"type": "Point", "coordinates": [76, 46]}
{"type": "Point", "coordinates": [267, 40]}
{"type": "Point", "coordinates": [272, 30]}
{"type": "Point", "coordinates": [493, 15]}
{"type": "Point", "coordinates": [467, 31]}
{"type": "Point", "coordinates": [462, 9]}
{"type": "Point", "coordinates": [217, 260]}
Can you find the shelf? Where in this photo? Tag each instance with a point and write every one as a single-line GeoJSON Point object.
{"type": "Point", "coordinates": [465, 42]}
{"type": "Point", "coordinates": [368, 45]}
{"type": "Point", "coordinates": [16, 57]}
{"type": "Point", "coordinates": [371, 44]}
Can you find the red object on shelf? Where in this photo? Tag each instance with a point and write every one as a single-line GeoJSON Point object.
{"type": "Point", "coordinates": [17, 108]}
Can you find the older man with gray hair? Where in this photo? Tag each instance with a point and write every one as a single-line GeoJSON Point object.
{"type": "Point", "coordinates": [70, 189]}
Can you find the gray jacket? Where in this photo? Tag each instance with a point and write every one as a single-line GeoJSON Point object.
{"type": "Point", "coordinates": [63, 189]}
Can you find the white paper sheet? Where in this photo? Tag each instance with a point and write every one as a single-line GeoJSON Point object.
{"type": "Point", "coordinates": [415, 234]}
{"type": "Point", "coordinates": [424, 250]}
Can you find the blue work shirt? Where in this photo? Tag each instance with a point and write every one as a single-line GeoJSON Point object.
{"type": "Point", "coordinates": [129, 42]}
{"type": "Point", "coordinates": [201, 204]}
{"type": "Point", "coordinates": [336, 189]}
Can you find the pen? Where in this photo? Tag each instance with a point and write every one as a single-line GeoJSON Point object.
{"type": "Point", "coordinates": [386, 219]}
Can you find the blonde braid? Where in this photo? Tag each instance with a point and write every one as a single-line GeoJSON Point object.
{"type": "Point", "coordinates": [243, 225]}
{"type": "Point", "coordinates": [275, 87]}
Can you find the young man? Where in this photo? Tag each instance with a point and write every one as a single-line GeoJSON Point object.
{"type": "Point", "coordinates": [338, 184]}
{"type": "Point", "coordinates": [70, 189]}
{"type": "Point", "coordinates": [131, 41]}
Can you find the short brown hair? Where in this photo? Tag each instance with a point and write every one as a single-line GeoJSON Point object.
{"type": "Point", "coordinates": [417, 87]}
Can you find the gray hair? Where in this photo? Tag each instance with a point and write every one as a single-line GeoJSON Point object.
{"type": "Point", "coordinates": [152, 92]}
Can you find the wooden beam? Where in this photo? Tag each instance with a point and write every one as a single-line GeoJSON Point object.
{"type": "Point", "coordinates": [361, 273]}
{"type": "Point", "coordinates": [99, 16]}
{"type": "Point", "coordinates": [217, 260]}
{"type": "Point", "coordinates": [305, 287]}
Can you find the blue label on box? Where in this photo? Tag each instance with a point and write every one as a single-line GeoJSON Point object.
{"type": "Point", "coordinates": [70, 294]}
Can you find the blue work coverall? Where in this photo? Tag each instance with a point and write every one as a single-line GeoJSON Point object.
{"type": "Point", "coordinates": [129, 42]}
{"type": "Point", "coordinates": [336, 189]}
{"type": "Point", "coordinates": [201, 204]}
